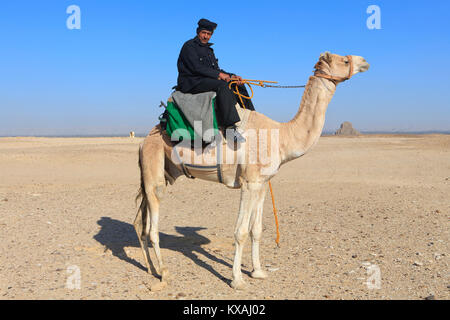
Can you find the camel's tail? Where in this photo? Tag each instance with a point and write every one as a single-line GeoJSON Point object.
{"type": "Point", "coordinates": [144, 201]}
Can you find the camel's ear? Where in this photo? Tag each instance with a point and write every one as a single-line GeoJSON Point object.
{"type": "Point", "coordinates": [326, 56]}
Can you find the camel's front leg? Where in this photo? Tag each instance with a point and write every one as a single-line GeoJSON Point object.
{"type": "Point", "coordinates": [249, 197]}
{"type": "Point", "coordinates": [256, 232]}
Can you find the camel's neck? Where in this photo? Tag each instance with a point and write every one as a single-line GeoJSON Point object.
{"type": "Point", "coordinates": [301, 133]}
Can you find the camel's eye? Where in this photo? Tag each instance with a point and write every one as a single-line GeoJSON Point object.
{"type": "Point", "coordinates": [346, 62]}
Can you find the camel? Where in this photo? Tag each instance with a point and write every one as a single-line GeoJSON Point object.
{"type": "Point", "coordinates": [295, 138]}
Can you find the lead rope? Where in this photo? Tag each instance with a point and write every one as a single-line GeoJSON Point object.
{"type": "Point", "coordinates": [263, 84]}
{"type": "Point", "coordinates": [277, 240]}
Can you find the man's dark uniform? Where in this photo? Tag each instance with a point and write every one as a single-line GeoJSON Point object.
{"type": "Point", "coordinates": [198, 71]}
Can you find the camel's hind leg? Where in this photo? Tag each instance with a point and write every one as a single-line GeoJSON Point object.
{"type": "Point", "coordinates": [140, 225]}
{"type": "Point", "coordinates": [154, 200]}
{"type": "Point", "coordinates": [151, 163]}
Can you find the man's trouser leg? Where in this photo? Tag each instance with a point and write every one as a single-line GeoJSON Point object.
{"type": "Point", "coordinates": [225, 100]}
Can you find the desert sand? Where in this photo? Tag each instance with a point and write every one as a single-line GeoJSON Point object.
{"type": "Point", "coordinates": [363, 217]}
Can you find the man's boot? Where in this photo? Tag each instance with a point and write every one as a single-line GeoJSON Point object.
{"type": "Point", "coordinates": [232, 131]}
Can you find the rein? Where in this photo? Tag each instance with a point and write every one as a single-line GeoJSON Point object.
{"type": "Point", "coordinates": [260, 83]}
{"type": "Point", "coordinates": [263, 83]}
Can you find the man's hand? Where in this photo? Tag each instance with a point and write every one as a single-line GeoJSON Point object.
{"type": "Point", "coordinates": [238, 79]}
{"type": "Point", "coordinates": [224, 77]}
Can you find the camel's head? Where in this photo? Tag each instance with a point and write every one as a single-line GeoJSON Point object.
{"type": "Point", "coordinates": [340, 68]}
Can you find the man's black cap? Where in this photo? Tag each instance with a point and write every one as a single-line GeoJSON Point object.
{"type": "Point", "coordinates": [204, 24]}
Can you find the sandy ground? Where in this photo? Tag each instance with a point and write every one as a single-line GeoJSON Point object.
{"type": "Point", "coordinates": [360, 218]}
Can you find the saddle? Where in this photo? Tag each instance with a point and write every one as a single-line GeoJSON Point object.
{"type": "Point", "coordinates": [197, 158]}
{"type": "Point", "coordinates": [192, 117]}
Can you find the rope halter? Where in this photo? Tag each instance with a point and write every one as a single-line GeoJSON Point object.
{"type": "Point", "coordinates": [335, 78]}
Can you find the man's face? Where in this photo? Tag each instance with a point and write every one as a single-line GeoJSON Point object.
{"type": "Point", "coordinates": [204, 36]}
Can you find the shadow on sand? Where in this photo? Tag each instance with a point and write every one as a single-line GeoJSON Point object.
{"type": "Point", "coordinates": [116, 235]}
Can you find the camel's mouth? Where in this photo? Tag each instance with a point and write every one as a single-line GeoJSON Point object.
{"type": "Point", "coordinates": [364, 67]}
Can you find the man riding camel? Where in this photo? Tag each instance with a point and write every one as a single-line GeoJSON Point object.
{"type": "Point", "coordinates": [198, 71]}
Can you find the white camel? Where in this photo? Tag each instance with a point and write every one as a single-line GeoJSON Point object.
{"type": "Point", "coordinates": [295, 138]}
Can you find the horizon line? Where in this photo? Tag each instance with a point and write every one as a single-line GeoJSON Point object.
{"type": "Point", "coordinates": [142, 135]}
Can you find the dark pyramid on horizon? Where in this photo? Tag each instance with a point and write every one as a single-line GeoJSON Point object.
{"type": "Point", "coordinates": [347, 129]}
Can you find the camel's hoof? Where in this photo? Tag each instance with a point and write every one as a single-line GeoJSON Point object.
{"type": "Point", "coordinates": [238, 284]}
{"type": "Point", "coordinates": [158, 286]}
{"type": "Point", "coordinates": [164, 274]}
{"type": "Point", "coordinates": [258, 274]}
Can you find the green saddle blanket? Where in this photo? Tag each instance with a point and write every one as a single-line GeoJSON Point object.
{"type": "Point", "coordinates": [179, 128]}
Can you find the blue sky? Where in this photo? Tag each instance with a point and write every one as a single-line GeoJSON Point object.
{"type": "Point", "coordinates": [110, 76]}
